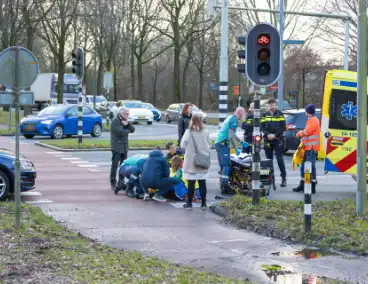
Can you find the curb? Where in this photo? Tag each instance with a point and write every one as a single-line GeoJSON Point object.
{"type": "Point", "coordinates": [219, 210]}
{"type": "Point", "coordinates": [7, 135]}
{"type": "Point", "coordinates": [40, 144]}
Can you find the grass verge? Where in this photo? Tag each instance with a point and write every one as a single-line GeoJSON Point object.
{"type": "Point", "coordinates": [102, 143]}
{"type": "Point", "coordinates": [7, 131]}
{"type": "Point", "coordinates": [335, 224]}
{"type": "Point", "coordinates": [4, 117]}
{"type": "Point", "coordinates": [43, 251]}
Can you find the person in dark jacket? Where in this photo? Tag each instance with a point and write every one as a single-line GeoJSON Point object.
{"type": "Point", "coordinates": [273, 126]}
{"type": "Point", "coordinates": [156, 175]}
{"type": "Point", "coordinates": [120, 129]}
{"type": "Point", "coordinates": [173, 151]}
{"type": "Point", "coordinates": [247, 125]}
{"type": "Point", "coordinates": [186, 116]}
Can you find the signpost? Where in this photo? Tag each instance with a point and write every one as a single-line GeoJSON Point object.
{"type": "Point", "coordinates": [20, 69]}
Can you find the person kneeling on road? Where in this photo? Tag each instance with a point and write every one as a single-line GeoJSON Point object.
{"type": "Point", "coordinates": [129, 173]}
{"type": "Point", "coordinates": [156, 174]}
{"type": "Point", "coordinates": [227, 134]}
{"type": "Point", "coordinates": [173, 151]}
{"type": "Point", "coordinates": [310, 139]}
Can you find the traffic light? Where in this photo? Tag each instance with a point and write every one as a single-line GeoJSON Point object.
{"type": "Point", "coordinates": [78, 62]}
{"type": "Point", "coordinates": [263, 55]}
{"type": "Point", "coordinates": [241, 54]}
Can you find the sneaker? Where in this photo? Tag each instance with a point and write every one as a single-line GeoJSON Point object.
{"type": "Point", "coordinates": [139, 196]}
{"type": "Point", "coordinates": [147, 197]}
{"type": "Point", "coordinates": [203, 206]}
{"type": "Point", "coordinates": [159, 198]}
{"type": "Point", "coordinates": [130, 193]}
{"type": "Point", "coordinates": [283, 182]}
{"type": "Point", "coordinates": [112, 186]}
{"type": "Point", "coordinates": [187, 206]}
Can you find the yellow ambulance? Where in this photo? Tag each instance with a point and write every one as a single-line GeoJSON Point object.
{"type": "Point", "coordinates": [339, 121]}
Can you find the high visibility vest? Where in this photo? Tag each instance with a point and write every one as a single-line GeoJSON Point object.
{"type": "Point", "coordinates": [311, 134]}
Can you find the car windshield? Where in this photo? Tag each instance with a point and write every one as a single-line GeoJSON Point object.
{"type": "Point", "coordinates": [53, 110]}
{"type": "Point", "coordinates": [133, 105]}
{"type": "Point", "coordinates": [299, 119]}
{"type": "Point", "coordinates": [69, 88]}
{"type": "Point", "coordinates": [149, 106]}
{"type": "Point", "coordinates": [99, 99]}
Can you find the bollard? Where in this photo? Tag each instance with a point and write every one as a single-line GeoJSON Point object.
{"type": "Point", "coordinates": [307, 197]}
{"type": "Point", "coordinates": [80, 118]}
{"type": "Point", "coordinates": [256, 160]}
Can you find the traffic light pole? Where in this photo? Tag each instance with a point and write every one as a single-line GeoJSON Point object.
{"type": "Point", "coordinates": [362, 111]}
{"type": "Point", "coordinates": [280, 96]}
{"type": "Point", "coordinates": [256, 161]}
{"type": "Point", "coordinates": [223, 84]}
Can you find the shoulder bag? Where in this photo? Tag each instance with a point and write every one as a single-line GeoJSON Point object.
{"type": "Point", "coordinates": [200, 160]}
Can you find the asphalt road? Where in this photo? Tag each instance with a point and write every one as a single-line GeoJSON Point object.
{"type": "Point", "coordinates": [74, 189]}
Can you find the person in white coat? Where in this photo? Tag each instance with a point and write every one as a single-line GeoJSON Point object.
{"type": "Point", "coordinates": [196, 139]}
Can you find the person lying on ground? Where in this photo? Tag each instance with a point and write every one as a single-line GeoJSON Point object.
{"type": "Point", "coordinates": [156, 174]}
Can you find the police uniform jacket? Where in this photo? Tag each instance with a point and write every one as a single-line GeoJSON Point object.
{"type": "Point", "coordinates": [273, 124]}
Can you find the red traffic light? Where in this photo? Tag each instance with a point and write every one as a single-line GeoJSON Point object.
{"type": "Point", "coordinates": [258, 138]}
{"type": "Point", "coordinates": [264, 39]}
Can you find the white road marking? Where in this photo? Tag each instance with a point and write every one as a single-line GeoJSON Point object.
{"type": "Point", "coordinates": [30, 193]}
{"type": "Point", "coordinates": [195, 204]}
{"type": "Point", "coordinates": [41, 201]}
{"type": "Point", "coordinates": [94, 170]}
{"type": "Point", "coordinates": [70, 158]}
{"type": "Point", "coordinates": [227, 241]}
{"type": "Point", "coordinates": [79, 162]}
{"type": "Point", "coordinates": [88, 166]}
{"type": "Point", "coordinates": [56, 153]}
{"type": "Point", "coordinates": [102, 163]}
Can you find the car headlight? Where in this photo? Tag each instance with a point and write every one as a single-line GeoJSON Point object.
{"type": "Point", "coordinates": [25, 165]}
{"type": "Point", "coordinates": [204, 115]}
{"type": "Point", "coordinates": [22, 120]}
{"type": "Point", "coordinates": [46, 122]}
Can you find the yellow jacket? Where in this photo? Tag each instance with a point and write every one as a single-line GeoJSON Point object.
{"type": "Point", "coordinates": [298, 156]}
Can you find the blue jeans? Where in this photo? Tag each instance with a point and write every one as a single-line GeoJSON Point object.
{"type": "Point", "coordinates": [223, 155]}
{"type": "Point", "coordinates": [311, 156]}
{"type": "Point", "coordinates": [164, 185]}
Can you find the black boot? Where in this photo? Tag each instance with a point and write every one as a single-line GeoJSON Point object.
{"type": "Point", "coordinates": [283, 182]}
{"type": "Point", "coordinates": [300, 187]}
{"type": "Point", "coordinates": [314, 187]}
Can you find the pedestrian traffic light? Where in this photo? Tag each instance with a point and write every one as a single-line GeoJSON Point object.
{"type": "Point", "coordinates": [263, 55]}
{"type": "Point", "coordinates": [241, 54]}
{"type": "Point", "coordinates": [78, 62]}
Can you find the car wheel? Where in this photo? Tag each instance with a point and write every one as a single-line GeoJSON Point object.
{"type": "Point", "coordinates": [149, 122]}
{"type": "Point", "coordinates": [96, 131]}
{"type": "Point", "coordinates": [58, 132]}
{"type": "Point", "coordinates": [168, 119]}
{"type": "Point", "coordinates": [4, 186]}
{"type": "Point", "coordinates": [28, 136]}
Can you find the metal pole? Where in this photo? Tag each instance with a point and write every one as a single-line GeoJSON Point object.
{"type": "Point", "coordinates": [107, 111]}
{"type": "Point", "coordinates": [346, 51]}
{"type": "Point", "coordinates": [362, 110]}
{"type": "Point", "coordinates": [17, 133]}
{"type": "Point", "coordinates": [223, 84]}
{"type": "Point", "coordinates": [256, 161]}
{"type": "Point", "coordinates": [80, 118]}
{"type": "Point", "coordinates": [307, 197]}
{"type": "Point", "coordinates": [95, 63]}
{"type": "Point", "coordinates": [10, 116]}
{"type": "Point", "coordinates": [280, 102]}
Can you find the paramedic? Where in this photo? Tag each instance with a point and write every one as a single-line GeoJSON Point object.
{"type": "Point", "coordinates": [247, 125]}
{"type": "Point", "coordinates": [273, 126]}
{"type": "Point", "coordinates": [310, 138]}
{"type": "Point", "coordinates": [227, 134]}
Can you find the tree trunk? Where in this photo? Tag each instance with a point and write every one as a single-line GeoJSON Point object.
{"type": "Point", "coordinates": [61, 70]}
{"type": "Point", "coordinates": [155, 87]}
{"type": "Point", "coordinates": [132, 74]}
{"type": "Point", "coordinates": [99, 78]}
{"type": "Point", "coordinates": [201, 83]}
{"type": "Point", "coordinates": [186, 70]}
{"type": "Point", "coordinates": [303, 78]}
{"type": "Point", "coordinates": [115, 82]}
{"type": "Point", "coordinates": [176, 85]}
{"type": "Point", "coordinates": [140, 78]}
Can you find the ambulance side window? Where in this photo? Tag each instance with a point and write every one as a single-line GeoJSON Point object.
{"type": "Point", "coordinates": [343, 113]}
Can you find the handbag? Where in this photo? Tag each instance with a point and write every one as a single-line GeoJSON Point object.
{"type": "Point", "coordinates": [200, 160]}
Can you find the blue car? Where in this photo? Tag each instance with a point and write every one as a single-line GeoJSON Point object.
{"type": "Point", "coordinates": [7, 172]}
{"type": "Point", "coordinates": [156, 112]}
{"type": "Point", "coordinates": [59, 120]}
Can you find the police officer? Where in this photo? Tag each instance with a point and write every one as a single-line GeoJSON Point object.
{"type": "Point", "coordinates": [273, 126]}
{"type": "Point", "coordinates": [247, 125]}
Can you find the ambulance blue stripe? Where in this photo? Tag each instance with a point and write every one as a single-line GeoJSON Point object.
{"type": "Point", "coordinates": [348, 84]}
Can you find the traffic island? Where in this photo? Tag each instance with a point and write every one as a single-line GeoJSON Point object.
{"type": "Point", "coordinates": [335, 224]}
{"type": "Point", "coordinates": [71, 145]}
{"type": "Point", "coordinates": [7, 132]}
{"type": "Point", "coordinates": [43, 251]}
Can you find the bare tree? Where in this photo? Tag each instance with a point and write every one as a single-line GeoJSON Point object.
{"type": "Point", "coordinates": [158, 65]}
{"type": "Point", "coordinates": [55, 32]}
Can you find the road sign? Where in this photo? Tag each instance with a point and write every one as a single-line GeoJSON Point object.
{"type": "Point", "coordinates": [291, 41]}
{"type": "Point", "coordinates": [25, 98]}
{"type": "Point", "coordinates": [28, 68]}
{"type": "Point", "coordinates": [236, 90]}
{"type": "Point", "coordinates": [108, 84]}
